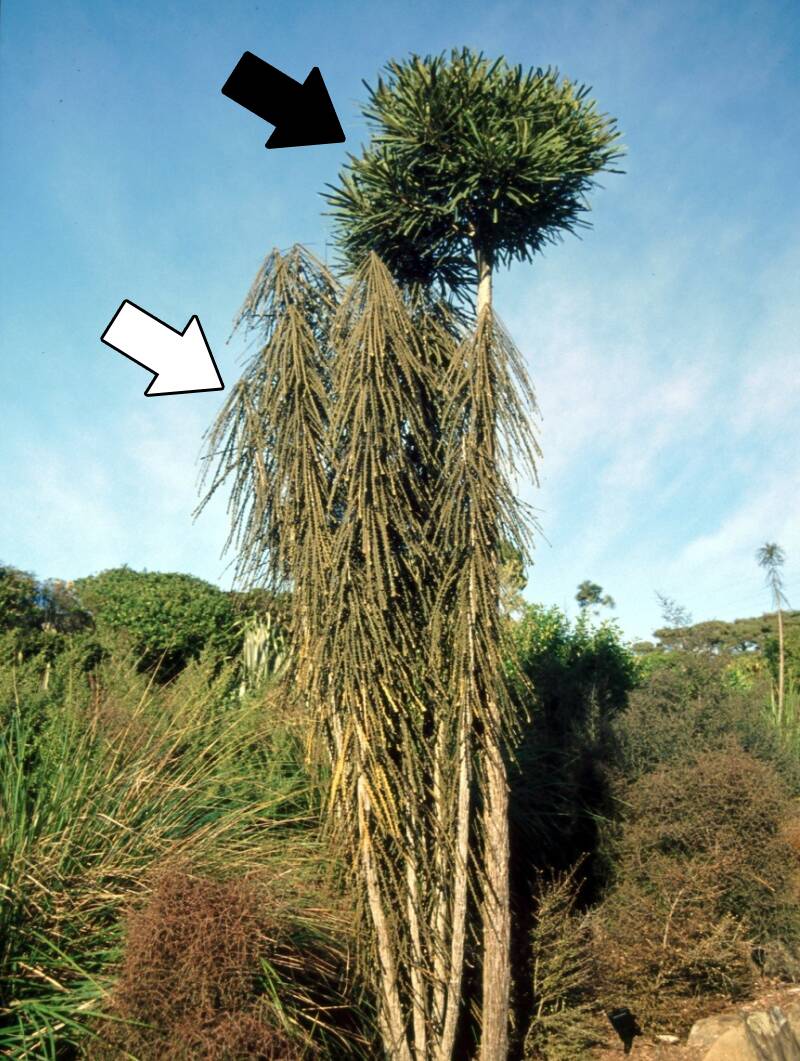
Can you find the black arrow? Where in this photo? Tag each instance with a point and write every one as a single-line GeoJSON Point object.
{"type": "Point", "coordinates": [302, 114]}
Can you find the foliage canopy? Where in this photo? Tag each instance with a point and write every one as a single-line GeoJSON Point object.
{"type": "Point", "coordinates": [468, 154]}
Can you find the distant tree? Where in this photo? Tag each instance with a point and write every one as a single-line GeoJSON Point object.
{"type": "Point", "coordinates": [673, 614]}
{"type": "Point", "coordinates": [512, 579]}
{"type": "Point", "coordinates": [590, 595]}
{"type": "Point", "coordinates": [771, 558]}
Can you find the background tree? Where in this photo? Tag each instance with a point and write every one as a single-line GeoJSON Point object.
{"type": "Point", "coordinates": [674, 615]}
{"type": "Point", "coordinates": [512, 579]}
{"type": "Point", "coordinates": [590, 595]}
{"type": "Point", "coordinates": [471, 166]}
{"type": "Point", "coordinates": [771, 558]}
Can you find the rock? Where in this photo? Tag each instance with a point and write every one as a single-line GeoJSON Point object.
{"type": "Point", "coordinates": [705, 1032]}
{"type": "Point", "coordinates": [765, 1035]}
{"type": "Point", "coordinates": [792, 1012]}
{"type": "Point", "coordinates": [672, 1039]}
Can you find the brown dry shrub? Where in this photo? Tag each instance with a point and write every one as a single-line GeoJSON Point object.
{"type": "Point", "coordinates": [703, 871]}
{"type": "Point", "coordinates": [663, 951]}
{"type": "Point", "coordinates": [188, 983]}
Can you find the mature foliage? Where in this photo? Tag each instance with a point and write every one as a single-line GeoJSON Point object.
{"type": "Point", "coordinates": [466, 153]}
{"type": "Point", "coordinates": [703, 871]}
{"type": "Point", "coordinates": [590, 595]}
{"type": "Point", "coordinates": [167, 619]}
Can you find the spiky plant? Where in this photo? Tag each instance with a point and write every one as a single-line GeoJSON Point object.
{"type": "Point", "coordinates": [472, 166]}
{"type": "Point", "coordinates": [364, 570]}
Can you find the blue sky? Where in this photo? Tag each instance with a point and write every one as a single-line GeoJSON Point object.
{"type": "Point", "coordinates": [663, 344]}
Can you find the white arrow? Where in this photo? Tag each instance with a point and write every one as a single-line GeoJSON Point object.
{"type": "Point", "coordinates": [182, 361]}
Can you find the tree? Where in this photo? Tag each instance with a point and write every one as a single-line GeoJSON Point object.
{"type": "Point", "coordinates": [512, 579]}
{"type": "Point", "coordinates": [590, 595]}
{"type": "Point", "coordinates": [364, 445]}
{"type": "Point", "coordinates": [771, 558]}
{"type": "Point", "coordinates": [167, 618]}
{"type": "Point", "coordinates": [473, 166]}
{"type": "Point", "coordinates": [674, 615]}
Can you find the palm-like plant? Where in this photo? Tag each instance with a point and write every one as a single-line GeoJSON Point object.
{"type": "Point", "coordinates": [771, 558]}
{"type": "Point", "coordinates": [369, 443]}
{"type": "Point", "coordinates": [472, 166]}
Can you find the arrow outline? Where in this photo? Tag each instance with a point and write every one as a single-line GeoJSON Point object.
{"type": "Point", "coordinates": [181, 334]}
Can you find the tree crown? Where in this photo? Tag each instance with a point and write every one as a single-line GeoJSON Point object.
{"type": "Point", "coordinates": [464, 156]}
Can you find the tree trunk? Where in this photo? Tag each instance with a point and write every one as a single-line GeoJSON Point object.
{"type": "Point", "coordinates": [496, 912]}
{"type": "Point", "coordinates": [780, 663]}
{"type": "Point", "coordinates": [392, 1023]}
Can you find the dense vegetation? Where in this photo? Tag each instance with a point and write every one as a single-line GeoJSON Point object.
{"type": "Point", "coordinates": [164, 878]}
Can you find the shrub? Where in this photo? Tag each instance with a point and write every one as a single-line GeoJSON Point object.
{"type": "Point", "coordinates": [580, 678]}
{"type": "Point", "coordinates": [216, 969]}
{"type": "Point", "coordinates": [189, 978]}
{"type": "Point", "coordinates": [703, 870]}
{"type": "Point", "coordinates": [691, 705]}
{"type": "Point", "coordinates": [564, 1022]}
{"type": "Point", "coordinates": [166, 619]}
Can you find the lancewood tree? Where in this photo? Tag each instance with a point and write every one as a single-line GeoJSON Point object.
{"type": "Point", "coordinates": [771, 558]}
{"type": "Point", "coordinates": [471, 166]}
{"type": "Point", "coordinates": [330, 441]}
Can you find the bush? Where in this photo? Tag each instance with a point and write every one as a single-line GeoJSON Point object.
{"type": "Point", "coordinates": [216, 969]}
{"type": "Point", "coordinates": [564, 1022]}
{"type": "Point", "coordinates": [189, 979]}
{"type": "Point", "coordinates": [166, 619]}
{"type": "Point", "coordinates": [691, 705]}
{"type": "Point", "coordinates": [580, 678]}
{"type": "Point", "coordinates": [703, 871]}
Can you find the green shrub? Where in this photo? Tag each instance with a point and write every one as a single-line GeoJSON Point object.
{"type": "Point", "coordinates": [580, 677]}
{"type": "Point", "coordinates": [692, 705]}
{"type": "Point", "coordinates": [166, 619]}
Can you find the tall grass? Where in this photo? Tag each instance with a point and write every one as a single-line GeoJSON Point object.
{"type": "Point", "coordinates": [101, 787]}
